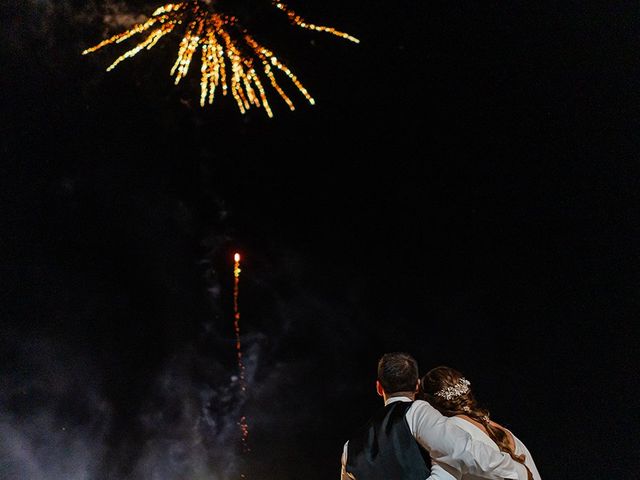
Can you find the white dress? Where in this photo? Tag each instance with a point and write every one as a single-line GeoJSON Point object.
{"type": "Point", "coordinates": [443, 471]}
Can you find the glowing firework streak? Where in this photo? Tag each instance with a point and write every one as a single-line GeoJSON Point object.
{"type": "Point", "coordinates": [230, 56]}
{"type": "Point", "coordinates": [244, 427]}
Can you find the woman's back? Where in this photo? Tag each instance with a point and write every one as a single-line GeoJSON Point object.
{"type": "Point", "coordinates": [449, 391]}
{"type": "Point", "coordinates": [478, 433]}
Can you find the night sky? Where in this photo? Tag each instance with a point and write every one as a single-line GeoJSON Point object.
{"type": "Point", "coordinates": [465, 189]}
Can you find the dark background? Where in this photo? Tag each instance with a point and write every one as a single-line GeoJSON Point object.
{"type": "Point", "coordinates": [465, 189]}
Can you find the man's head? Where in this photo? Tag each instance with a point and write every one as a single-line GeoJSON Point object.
{"type": "Point", "coordinates": [397, 373]}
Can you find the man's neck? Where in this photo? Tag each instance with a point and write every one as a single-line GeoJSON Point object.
{"type": "Point", "coordinates": [411, 395]}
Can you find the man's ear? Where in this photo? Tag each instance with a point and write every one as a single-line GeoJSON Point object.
{"type": "Point", "coordinates": [379, 388]}
{"type": "Point", "coordinates": [418, 386]}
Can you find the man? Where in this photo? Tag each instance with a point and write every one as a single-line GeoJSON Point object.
{"type": "Point", "coordinates": [399, 440]}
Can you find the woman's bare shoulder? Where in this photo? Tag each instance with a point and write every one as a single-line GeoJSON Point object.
{"type": "Point", "coordinates": [472, 422]}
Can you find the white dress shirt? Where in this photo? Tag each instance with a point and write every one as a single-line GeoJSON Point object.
{"type": "Point", "coordinates": [477, 434]}
{"type": "Point", "coordinates": [452, 447]}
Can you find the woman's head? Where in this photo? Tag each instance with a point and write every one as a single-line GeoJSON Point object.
{"type": "Point", "coordinates": [448, 391]}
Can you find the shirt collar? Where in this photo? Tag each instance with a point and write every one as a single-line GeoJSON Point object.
{"type": "Point", "coordinates": [397, 399]}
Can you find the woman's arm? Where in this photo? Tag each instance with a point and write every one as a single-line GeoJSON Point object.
{"type": "Point", "coordinates": [531, 465]}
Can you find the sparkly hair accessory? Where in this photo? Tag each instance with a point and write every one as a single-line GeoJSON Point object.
{"type": "Point", "coordinates": [459, 388]}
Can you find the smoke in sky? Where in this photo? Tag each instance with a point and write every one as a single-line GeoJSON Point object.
{"type": "Point", "coordinates": [178, 418]}
{"type": "Point", "coordinates": [53, 419]}
{"type": "Point", "coordinates": [64, 25]}
{"type": "Point", "coordinates": [56, 423]}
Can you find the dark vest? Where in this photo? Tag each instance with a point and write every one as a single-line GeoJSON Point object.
{"type": "Point", "coordinates": [384, 449]}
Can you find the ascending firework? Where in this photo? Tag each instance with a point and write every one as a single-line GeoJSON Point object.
{"type": "Point", "coordinates": [230, 56]}
{"type": "Point", "coordinates": [244, 427]}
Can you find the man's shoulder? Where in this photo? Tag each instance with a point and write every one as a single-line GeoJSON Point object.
{"type": "Point", "coordinates": [422, 405]}
{"type": "Point", "coordinates": [362, 431]}
{"type": "Point", "coordinates": [423, 415]}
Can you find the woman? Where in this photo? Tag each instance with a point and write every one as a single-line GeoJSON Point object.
{"type": "Point", "coordinates": [449, 392]}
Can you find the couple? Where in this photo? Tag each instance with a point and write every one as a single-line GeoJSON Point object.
{"type": "Point", "coordinates": [431, 428]}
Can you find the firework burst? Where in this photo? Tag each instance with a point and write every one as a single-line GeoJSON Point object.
{"type": "Point", "coordinates": [231, 60]}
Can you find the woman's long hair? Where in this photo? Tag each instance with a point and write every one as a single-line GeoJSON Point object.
{"type": "Point", "coordinates": [449, 392]}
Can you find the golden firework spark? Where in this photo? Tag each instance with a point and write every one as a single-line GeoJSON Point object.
{"type": "Point", "coordinates": [244, 427]}
{"type": "Point", "coordinates": [231, 59]}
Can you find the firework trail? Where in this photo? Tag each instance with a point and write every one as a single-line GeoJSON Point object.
{"type": "Point", "coordinates": [230, 57]}
{"type": "Point", "coordinates": [244, 427]}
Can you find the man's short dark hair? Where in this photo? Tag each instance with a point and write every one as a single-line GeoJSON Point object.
{"type": "Point", "coordinates": [397, 372]}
